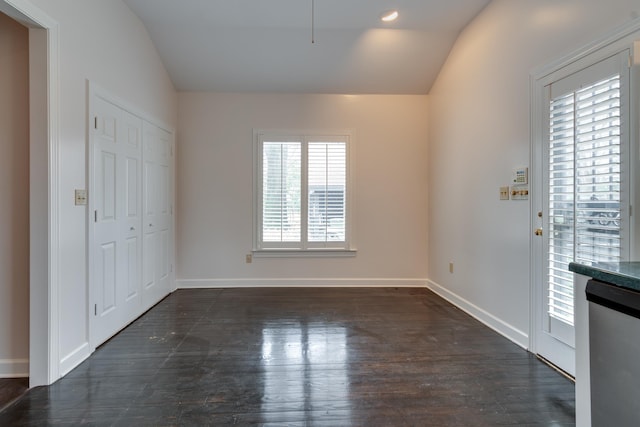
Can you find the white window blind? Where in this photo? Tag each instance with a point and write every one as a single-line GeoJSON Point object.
{"type": "Point", "coordinates": [281, 191]}
{"type": "Point", "coordinates": [302, 182]}
{"type": "Point", "coordinates": [584, 186]}
{"type": "Point", "coordinates": [327, 190]}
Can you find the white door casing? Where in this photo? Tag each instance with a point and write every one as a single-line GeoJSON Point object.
{"type": "Point", "coordinates": [44, 189]}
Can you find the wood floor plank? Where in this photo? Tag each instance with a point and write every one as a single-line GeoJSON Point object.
{"type": "Point", "coordinates": [294, 356]}
{"type": "Point", "coordinates": [11, 389]}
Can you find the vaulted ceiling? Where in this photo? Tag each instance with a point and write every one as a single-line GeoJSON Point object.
{"type": "Point", "coordinates": [266, 45]}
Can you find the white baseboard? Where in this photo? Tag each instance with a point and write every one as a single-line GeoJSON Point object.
{"type": "Point", "coordinates": [508, 331]}
{"type": "Point", "coordinates": [300, 282]}
{"type": "Point", "coordinates": [14, 368]}
{"type": "Point", "coordinates": [74, 358]}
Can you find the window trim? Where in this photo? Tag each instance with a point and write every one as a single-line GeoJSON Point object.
{"type": "Point", "coordinates": [304, 248]}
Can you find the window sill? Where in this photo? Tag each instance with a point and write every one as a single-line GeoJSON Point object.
{"type": "Point", "coordinates": [304, 253]}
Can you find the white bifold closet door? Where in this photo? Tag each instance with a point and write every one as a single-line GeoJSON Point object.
{"type": "Point", "coordinates": [130, 226]}
{"type": "Point", "coordinates": [117, 236]}
{"type": "Point", "coordinates": [156, 214]}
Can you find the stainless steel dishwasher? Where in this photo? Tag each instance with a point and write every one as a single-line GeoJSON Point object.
{"type": "Point", "coordinates": [614, 345]}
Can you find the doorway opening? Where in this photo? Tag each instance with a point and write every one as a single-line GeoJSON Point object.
{"type": "Point", "coordinates": [43, 360]}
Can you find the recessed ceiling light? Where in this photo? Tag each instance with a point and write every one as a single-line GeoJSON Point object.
{"type": "Point", "coordinates": [390, 15]}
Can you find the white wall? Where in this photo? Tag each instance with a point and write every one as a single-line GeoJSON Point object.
{"type": "Point", "coordinates": [214, 188]}
{"type": "Point", "coordinates": [14, 198]}
{"type": "Point", "coordinates": [479, 127]}
{"type": "Point", "coordinates": [102, 41]}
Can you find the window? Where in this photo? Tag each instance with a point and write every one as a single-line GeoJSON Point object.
{"type": "Point", "coordinates": [302, 192]}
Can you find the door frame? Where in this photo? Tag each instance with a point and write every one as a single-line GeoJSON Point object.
{"type": "Point", "coordinates": [623, 37]}
{"type": "Point", "coordinates": [44, 199]}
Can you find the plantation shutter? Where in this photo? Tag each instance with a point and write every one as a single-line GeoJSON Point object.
{"type": "Point", "coordinates": [598, 172]}
{"type": "Point", "coordinates": [281, 191]}
{"type": "Point", "coordinates": [327, 181]}
{"type": "Point", "coordinates": [584, 186]}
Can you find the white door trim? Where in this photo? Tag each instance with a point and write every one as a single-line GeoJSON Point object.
{"type": "Point", "coordinates": [44, 360]}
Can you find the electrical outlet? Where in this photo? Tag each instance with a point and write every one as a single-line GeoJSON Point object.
{"type": "Point", "coordinates": [248, 258]}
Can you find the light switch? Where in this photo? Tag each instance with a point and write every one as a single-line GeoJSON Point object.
{"type": "Point", "coordinates": [504, 193]}
{"type": "Point", "coordinates": [519, 192]}
{"type": "Point", "coordinates": [81, 197]}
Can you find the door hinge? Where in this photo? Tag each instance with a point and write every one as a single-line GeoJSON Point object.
{"type": "Point", "coordinates": [95, 122]}
{"type": "Point", "coordinates": [95, 216]}
{"type": "Point", "coordinates": [95, 309]}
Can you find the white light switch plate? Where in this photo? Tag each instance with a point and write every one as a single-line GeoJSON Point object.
{"type": "Point", "coordinates": [519, 192]}
{"type": "Point", "coordinates": [81, 197]}
{"type": "Point", "coordinates": [504, 193]}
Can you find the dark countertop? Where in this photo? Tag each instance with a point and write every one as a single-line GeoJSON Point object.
{"type": "Point", "coordinates": [623, 274]}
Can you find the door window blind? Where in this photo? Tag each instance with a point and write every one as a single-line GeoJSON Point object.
{"type": "Point", "coordinates": [584, 186]}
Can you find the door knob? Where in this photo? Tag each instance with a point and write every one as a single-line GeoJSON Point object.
{"type": "Point", "coordinates": [538, 232]}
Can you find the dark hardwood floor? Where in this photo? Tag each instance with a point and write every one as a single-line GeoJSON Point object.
{"type": "Point", "coordinates": [11, 389]}
{"type": "Point", "coordinates": [307, 357]}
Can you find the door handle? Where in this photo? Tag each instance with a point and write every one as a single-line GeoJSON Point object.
{"type": "Point", "coordinates": [538, 232]}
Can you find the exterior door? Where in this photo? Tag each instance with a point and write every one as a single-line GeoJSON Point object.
{"type": "Point", "coordinates": [157, 214]}
{"type": "Point", "coordinates": [583, 212]}
{"type": "Point", "coordinates": [116, 248]}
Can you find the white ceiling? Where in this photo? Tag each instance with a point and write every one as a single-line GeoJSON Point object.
{"type": "Point", "coordinates": [265, 45]}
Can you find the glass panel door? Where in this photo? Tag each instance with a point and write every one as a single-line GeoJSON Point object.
{"type": "Point", "coordinates": [584, 190]}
